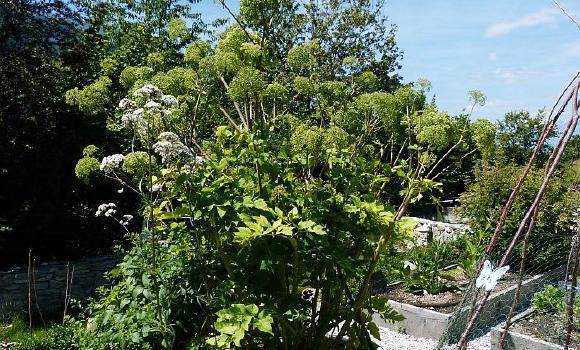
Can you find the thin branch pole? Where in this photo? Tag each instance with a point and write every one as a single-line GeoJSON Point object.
{"type": "Point", "coordinates": [520, 279]}
{"type": "Point", "coordinates": [547, 129]}
{"type": "Point", "coordinates": [444, 156]}
{"type": "Point", "coordinates": [572, 296]}
{"type": "Point", "coordinates": [229, 118]}
{"type": "Point", "coordinates": [68, 290]}
{"type": "Point", "coordinates": [554, 161]}
{"type": "Point", "coordinates": [566, 13]}
{"type": "Point", "coordinates": [242, 26]}
{"type": "Point", "coordinates": [30, 291]}
{"type": "Point", "coordinates": [236, 106]}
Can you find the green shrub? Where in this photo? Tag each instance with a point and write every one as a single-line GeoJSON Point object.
{"type": "Point", "coordinates": [148, 306]}
{"type": "Point", "coordinates": [86, 167]}
{"type": "Point", "coordinates": [549, 244]}
{"type": "Point", "coordinates": [426, 273]}
{"type": "Point", "coordinates": [57, 337]}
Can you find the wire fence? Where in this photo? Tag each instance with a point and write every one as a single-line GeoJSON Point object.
{"type": "Point", "coordinates": [526, 271]}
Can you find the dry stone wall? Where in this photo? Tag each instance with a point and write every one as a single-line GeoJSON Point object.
{"type": "Point", "coordinates": [428, 231]}
{"type": "Point", "coordinates": [48, 289]}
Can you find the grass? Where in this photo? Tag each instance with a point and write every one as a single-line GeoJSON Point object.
{"type": "Point", "coordinates": [13, 329]}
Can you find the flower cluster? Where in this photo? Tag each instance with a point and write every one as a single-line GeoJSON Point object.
{"type": "Point", "coordinates": [135, 118]}
{"type": "Point", "coordinates": [112, 162]}
{"type": "Point", "coordinates": [148, 91]}
{"type": "Point", "coordinates": [127, 104]}
{"type": "Point", "coordinates": [170, 148]}
{"type": "Point", "coordinates": [169, 101]}
{"type": "Point", "coordinates": [154, 105]}
{"type": "Point", "coordinates": [126, 219]}
{"type": "Point", "coordinates": [106, 209]}
{"type": "Point", "coordinates": [191, 167]}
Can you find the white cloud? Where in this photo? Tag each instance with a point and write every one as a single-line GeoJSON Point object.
{"type": "Point", "coordinates": [545, 16]}
{"type": "Point", "coordinates": [572, 49]}
{"type": "Point", "coordinates": [512, 75]}
{"type": "Point", "coordinates": [492, 56]}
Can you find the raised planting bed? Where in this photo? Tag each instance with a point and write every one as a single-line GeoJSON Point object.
{"type": "Point", "coordinates": [431, 321]}
{"type": "Point", "coordinates": [534, 331]}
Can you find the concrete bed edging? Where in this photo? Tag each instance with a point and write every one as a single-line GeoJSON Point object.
{"type": "Point", "coordinates": [519, 341]}
{"type": "Point", "coordinates": [426, 323]}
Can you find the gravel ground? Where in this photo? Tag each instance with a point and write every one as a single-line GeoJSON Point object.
{"type": "Point", "coordinates": [391, 340]}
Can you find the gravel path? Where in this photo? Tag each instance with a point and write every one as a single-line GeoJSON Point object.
{"type": "Point", "coordinates": [391, 340]}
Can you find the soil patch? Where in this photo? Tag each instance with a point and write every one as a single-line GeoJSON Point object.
{"type": "Point", "coordinates": [446, 302]}
{"type": "Point", "coordinates": [547, 327]}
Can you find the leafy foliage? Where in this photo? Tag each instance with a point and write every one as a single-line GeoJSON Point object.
{"type": "Point", "coordinates": [427, 274]}
{"type": "Point", "coordinates": [549, 300]}
{"type": "Point", "coordinates": [484, 199]}
{"type": "Point", "coordinates": [43, 206]}
{"type": "Point", "coordinates": [52, 337]}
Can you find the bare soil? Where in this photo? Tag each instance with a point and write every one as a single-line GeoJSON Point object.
{"type": "Point", "coordinates": [547, 327]}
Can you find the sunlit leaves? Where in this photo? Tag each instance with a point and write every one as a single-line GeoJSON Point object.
{"type": "Point", "coordinates": [196, 51]}
{"type": "Point", "coordinates": [248, 83]}
{"type": "Point", "coordinates": [177, 29]}
{"type": "Point", "coordinates": [302, 57]}
{"type": "Point", "coordinates": [234, 322]}
{"type": "Point", "coordinates": [132, 75]}
{"type": "Point", "coordinates": [93, 98]}
{"type": "Point", "coordinates": [484, 134]}
{"type": "Point", "coordinates": [434, 129]}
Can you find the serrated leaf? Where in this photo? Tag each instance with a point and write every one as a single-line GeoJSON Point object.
{"type": "Point", "coordinates": [374, 330]}
{"type": "Point", "coordinates": [264, 324]}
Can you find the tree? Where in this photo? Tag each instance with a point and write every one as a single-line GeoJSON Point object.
{"type": "Point", "coordinates": [43, 207]}
{"type": "Point", "coordinates": [346, 37]}
{"type": "Point", "coordinates": [517, 135]}
{"type": "Point", "coordinates": [273, 188]}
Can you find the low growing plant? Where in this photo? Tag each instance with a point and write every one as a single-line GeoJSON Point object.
{"type": "Point", "coordinates": [549, 300]}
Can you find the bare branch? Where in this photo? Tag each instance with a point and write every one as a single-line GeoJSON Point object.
{"type": "Point", "coordinates": [242, 26]}
{"type": "Point", "coordinates": [229, 118]}
{"type": "Point", "coordinates": [237, 107]}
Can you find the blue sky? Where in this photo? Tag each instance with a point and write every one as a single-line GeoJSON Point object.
{"type": "Point", "coordinates": [520, 53]}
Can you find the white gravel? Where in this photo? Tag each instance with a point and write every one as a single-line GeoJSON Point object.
{"type": "Point", "coordinates": [391, 340]}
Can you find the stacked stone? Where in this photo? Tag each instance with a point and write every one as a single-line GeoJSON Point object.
{"type": "Point", "coordinates": [428, 231]}
{"type": "Point", "coordinates": [50, 281]}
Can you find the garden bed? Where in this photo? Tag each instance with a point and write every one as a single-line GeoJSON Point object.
{"type": "Point", "coordinates": [534, 331]}
{"type": "Point", "coordinates": [447, 302]}
{"type": "Point", "coordinates": [431, 321]}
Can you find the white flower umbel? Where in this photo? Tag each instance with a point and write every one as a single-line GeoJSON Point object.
{"type": "Point", "coordinates": [148, 91]}
{"type": "Point", "coordinates": [193, 164]}
{"type": "Point", "coordinates": [168, 136]}
{"type": "Point", "coordinates": [127, 104]}
{"type": "Point", "coordinates": [136, 119]}
{"type": "Point", "coordinates": [170, 148]}
{"type": "Point", "coordinates": [126, 219]}
{"type": "Point", "coordinates": [169, 101]}
{"type": "Point", "coordinates": [112, 162]}
{"type": "Point", "coordinates": [198, 160]}
{"type": "Point", "coordinates": [152, 105]}
{"type": "Point", "coordinates": [106, 209]}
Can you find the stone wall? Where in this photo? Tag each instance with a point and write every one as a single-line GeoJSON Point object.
{"type": "Point", "coordinates": [48, 292]}
{"type": "Point", "coordinates": [429, 230]}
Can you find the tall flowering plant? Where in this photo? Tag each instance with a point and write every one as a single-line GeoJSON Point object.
{"type": "Point", "coordinates": [242, 243]}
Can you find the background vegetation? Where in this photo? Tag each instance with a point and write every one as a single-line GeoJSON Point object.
{"type": "Point", "coordinates": [256, 174]}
